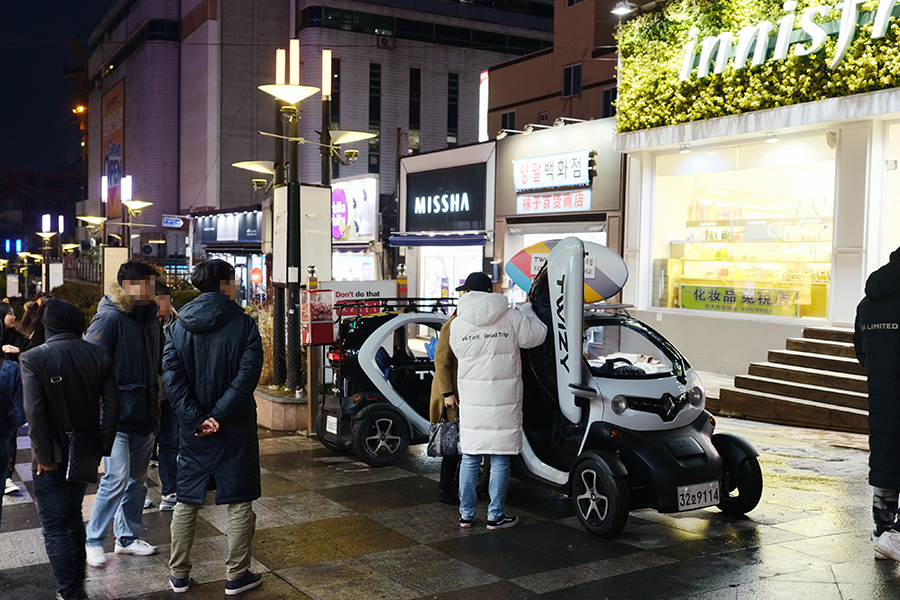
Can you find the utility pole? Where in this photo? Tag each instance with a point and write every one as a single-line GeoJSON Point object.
{"type": "Point", "coordinates": [293, 274]}
{"type": "Point", "coordinates": [278, 333]}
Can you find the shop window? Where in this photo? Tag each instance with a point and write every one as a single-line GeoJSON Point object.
{"type": "Point", "coordinates": [745, 229]}
{"type": "Point", "coordinates": [572, 80]}
{"type": "Point", "coordinates": [508, 120]}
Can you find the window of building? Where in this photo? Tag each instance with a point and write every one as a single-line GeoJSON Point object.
{"type": "Point", "coordinates": [745, 229]}
{"type": "Point", "coordinates": [543, 117]}
{"type": "Point", "coordinates": [375, 117]}
{"type": "Point", "coordinates": [572, 80]}
{"type": "Point", "coordinates": [608, 108]}
{"type": "Point", "coordinates": [570, 3]}
{"type": "Point", "coordinates": [508, 120]}
{"type": "Point", "coordinates": [452, 109]}
{"type": "Point", "coordinates": [415, 109]}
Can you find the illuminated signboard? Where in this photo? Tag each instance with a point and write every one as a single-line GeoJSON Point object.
{"type": "Point", "coordinates": [570, 170]}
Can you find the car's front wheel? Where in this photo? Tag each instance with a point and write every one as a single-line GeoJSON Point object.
{"type": "Point", "coordinates": [600, 498]}
{"type": "Point", "coordinates": [380, 436]}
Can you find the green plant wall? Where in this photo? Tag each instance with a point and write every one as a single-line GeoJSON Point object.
{"type": "Point", "coordinates": [651, 50]}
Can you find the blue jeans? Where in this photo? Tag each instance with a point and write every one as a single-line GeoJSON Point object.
{"type": "Point", "coordinates": [122, 490]}
{"type": "Point", "coordinates": [468, 480]}
{"type": "Point", "coordinates": [4, 473]}
{"type": "Point", "coordinates": [59, 508]}
{"type": "Point", "coordinates": [168, 448]}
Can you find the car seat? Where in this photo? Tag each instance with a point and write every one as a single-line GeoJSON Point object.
{"type": "Point", "coordinates": [383, 361]}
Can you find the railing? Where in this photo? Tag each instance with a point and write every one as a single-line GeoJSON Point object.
{"type": "Point", "coordinates": [88, 271]}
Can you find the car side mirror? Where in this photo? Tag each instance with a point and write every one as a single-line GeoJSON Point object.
{"type": "Point", "coordinates": [582, 393]}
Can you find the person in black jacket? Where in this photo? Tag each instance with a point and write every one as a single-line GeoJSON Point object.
{"type": "Point", "coordinates": [88, 387]}
{"type": "Point", "coordinates": [126, 325]}
{"type": "Point", "coordinates": [12, 342]}
{"type": "Point", "coordinates": [11, 410]}
{"type": "Point", "coordinates": [211, 366]}
{"type": "Point", "coordinates": [876, 339]}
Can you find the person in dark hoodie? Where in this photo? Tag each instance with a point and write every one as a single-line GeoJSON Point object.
{"type": "Point", "coordinates": [211, 365]}
{"type": "Point", "coordinates": [876, 339]}
{"type": "Point", "coordinates": [11, 410]}
{"type": "Point", "coordinates": [126, 325]}
{"type": "Point", "coordinates": [84, 375]}
{"type": "Point", "coordinates": [168, 424]}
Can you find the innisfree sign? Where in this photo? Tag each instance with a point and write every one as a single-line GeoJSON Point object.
{"type": "Point", "coordinates": [755, 44]}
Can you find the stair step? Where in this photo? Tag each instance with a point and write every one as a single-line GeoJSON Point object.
{"type": "Point", "coordinates": [771, 408]}
{"type": "Point", "coordinates": [826, 347]}
{"type": "Point", "coordinates": [817, 361]}
{"type": "Point", "coordinates": [833, 334]}
{"type": "Point", "coordinates": [811, 376]}
{"type": "Point", "coordinates": [803, 391]}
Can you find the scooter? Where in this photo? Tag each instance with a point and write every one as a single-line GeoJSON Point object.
{"type": "Point", "coordinates": [613, 415]}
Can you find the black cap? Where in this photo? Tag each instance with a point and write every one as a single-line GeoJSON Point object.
{"type": "Point", "coordinates": [477, 282]}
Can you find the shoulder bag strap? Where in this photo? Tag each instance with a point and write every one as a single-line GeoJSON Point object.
{"type": "Point", "coordinates": [53, 387]}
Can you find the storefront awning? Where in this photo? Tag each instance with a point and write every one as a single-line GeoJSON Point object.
{"type": "Point", "coordinates": [349, 246]}
{"type": "Point", "coordinates": [437, 239]}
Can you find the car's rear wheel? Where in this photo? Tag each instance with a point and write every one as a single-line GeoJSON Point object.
{"type": "Point", "coordinates": [380, 437]}
{"type": "Point", "coordinates": [320, 432]}
{"type": "Point", "coordinates": [600, 498]}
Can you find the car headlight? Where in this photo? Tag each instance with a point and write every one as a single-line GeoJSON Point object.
{"type": "Point", "coordinates": [695, 396]}
{"type": "Point", "coordinates": [619, 404]}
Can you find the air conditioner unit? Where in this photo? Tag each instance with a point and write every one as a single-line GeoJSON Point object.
{"type": "Point", "coordinates": [383, 41]}
{"type": "Point", "coordinates": [148, 250]}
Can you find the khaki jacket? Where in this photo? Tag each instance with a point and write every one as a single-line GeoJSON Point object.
{"type": "Point", "coordinates": [445, 367]}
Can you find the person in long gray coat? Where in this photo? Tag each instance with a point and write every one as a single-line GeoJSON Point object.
{"type": "Point", "coordinates": [211, 366]}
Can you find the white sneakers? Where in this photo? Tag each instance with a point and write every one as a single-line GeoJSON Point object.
{"type": "Point", "coordinates": [136, 548]}
{"type": "Point", "coordinates": [167, 503]}
{"type": "Point", "coordinates": [11, 487]}
{"type": "Point", "coordinates": [96, 558]}
{"type": "Point", "coordinates": [887, 545]}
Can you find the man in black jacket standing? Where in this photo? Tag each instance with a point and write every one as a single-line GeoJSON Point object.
{"type": "Point", "coordinates": [211, 365]}
{"type": "Point", "coordinates": [87, 383]}
{"type": "Point", "coordinates": [877, 342]}
{"type": "Point", "coordinates": [126, 325]}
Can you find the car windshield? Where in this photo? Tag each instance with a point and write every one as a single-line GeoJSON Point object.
{"type": "Point", "coordinates": [613, 348]}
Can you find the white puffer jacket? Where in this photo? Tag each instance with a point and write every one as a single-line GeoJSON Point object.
{"type": "Point", "coordinates": [485, 338]}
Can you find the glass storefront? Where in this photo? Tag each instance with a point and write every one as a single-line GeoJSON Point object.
{"type": "Point", "coordinates": [353, 266]}
{"type": "Point", "coordinates": [250, 272]}
{"type": "Point", "coordinates": [443, 269]}
{"type": "Point", "coordinates": [746, 228]}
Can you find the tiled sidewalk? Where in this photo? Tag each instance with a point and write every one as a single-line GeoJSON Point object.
{"type": "Point", "coordinates": [332, 528]}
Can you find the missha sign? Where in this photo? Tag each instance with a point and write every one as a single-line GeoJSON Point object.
{"type": "Point", "coordinates": [451, 199]}
{"type": "Point", "coordinates": [755, 44]}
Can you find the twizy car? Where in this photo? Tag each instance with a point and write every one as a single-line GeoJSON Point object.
{"type": "Point", "coordinates": [614, 416]}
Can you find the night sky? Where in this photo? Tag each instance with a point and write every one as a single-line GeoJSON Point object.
{"type": "Point", "coordinates": [36, 99]}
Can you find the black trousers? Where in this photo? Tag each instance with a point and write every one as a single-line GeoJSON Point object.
{"type": "Point", "coordinates": [59, 509]}
{"type": "Point", "coordinates": [449, 482]}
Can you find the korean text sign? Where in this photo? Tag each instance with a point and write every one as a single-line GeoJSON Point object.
{"type": "Point", "coordinates": [570, 169]}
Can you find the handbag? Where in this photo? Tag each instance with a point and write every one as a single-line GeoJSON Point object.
{"type": "Point", "coordinates": [443, 437]}
{"type": "Point", "coordinates": [83, 463]}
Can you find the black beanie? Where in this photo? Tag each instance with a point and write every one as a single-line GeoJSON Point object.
{"type": "Point", "coordinates": [62, 317]}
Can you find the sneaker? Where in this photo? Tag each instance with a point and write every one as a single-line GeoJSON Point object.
{"type": "Point", "coordinates": [179, 585]}
{"type": "Point", "coordinates": [167, 503]}
{"type": "Point", "coordinates": [504, 522]}
{"type": "Point", "coordinates": [887, 545]}
{"type": "Point", "coordinates": [239, 586]}
{"type": "Point", "coordinates": [136, 548]}
{"type": "Point", "coordinates": [11, 487]}
{"type": "Point", "coordinates": [148, 503]}
{"type": "Point", "coordinates": [466, 523]}
{"type": "Point", "coordinates": [95, 556]}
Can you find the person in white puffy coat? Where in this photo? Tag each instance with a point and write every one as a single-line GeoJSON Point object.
{"type": "Point", "coordinates": [486, 337]}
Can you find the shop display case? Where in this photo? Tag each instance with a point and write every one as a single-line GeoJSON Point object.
{"type": "Point", "coordinates": [317, 323]}
{"type": "Point", "coordinates": [777, 265]}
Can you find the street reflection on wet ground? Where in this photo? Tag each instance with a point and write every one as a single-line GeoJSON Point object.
{"type": "Point", "coordinates": [330, 527]}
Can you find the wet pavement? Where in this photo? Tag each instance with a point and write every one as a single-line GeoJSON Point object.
{"type": "Point", "coordinates": [330, 527]}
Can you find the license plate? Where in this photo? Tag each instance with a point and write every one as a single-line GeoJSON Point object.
{"type": "Point", "coordinates": [698, 496]}
{"type": "Point", "coordinates": [331, 425]}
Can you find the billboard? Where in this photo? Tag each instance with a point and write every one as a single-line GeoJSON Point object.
{"type": "Point", "coordinates": [451, 199]}
{"type": "Point", "coordinates": [112, 144]}
{"type": "Point", "coordinates": [354, 210]}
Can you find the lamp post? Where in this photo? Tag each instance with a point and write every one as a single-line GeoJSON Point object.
{"type": "Point", "coordinates": [46, 234]}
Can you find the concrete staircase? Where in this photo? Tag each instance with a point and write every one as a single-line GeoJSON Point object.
{"type": "Point", "coordinates": [815, 382]}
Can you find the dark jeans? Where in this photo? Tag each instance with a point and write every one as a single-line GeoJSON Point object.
{"type": "Point", "coordinates": [449, 483]}
{"type": "Point", "coordinates": [168, 448]}
{"type": "Point", "coordinates": [12, 455]}
{"type": "Point", "coordinates": [59, 508]}
{"type": "Point", "coordinates": [4, 460]}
